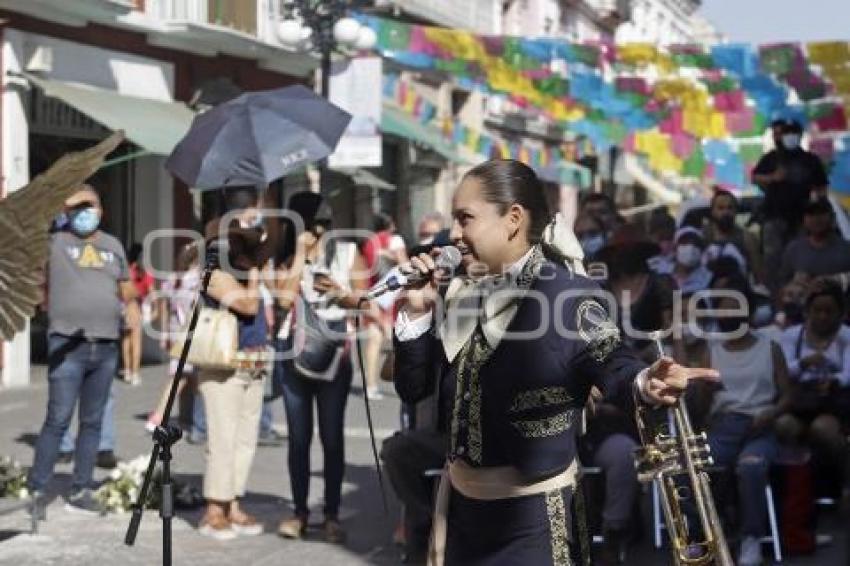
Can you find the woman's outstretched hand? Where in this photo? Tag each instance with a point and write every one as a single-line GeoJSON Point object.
{"type": "Point", "coordinates": [667, 380]}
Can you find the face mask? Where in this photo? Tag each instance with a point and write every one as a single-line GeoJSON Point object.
{"type": "Point", "coordinates": [688, 255]}
{"type": "Point", "coordinates": [791, 141]}
{"type": "Point", "coordinates": [255, 223]}
{"type": "Point", "coordinates": [725, 222]}
{"type": "Point", "coordinates": [85, 222]}
{"type": "Point", "coordinates": [592, 244]}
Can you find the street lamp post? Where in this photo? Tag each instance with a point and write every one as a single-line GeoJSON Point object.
{"type": "Point", "coordinates": [323, 26]}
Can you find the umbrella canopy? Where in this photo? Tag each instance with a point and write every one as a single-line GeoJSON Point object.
{"type": "Point", "coordinates": [257, 138]}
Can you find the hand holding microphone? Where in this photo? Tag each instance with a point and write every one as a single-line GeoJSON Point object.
{"type": "Point", "coordinates": [420, 277]}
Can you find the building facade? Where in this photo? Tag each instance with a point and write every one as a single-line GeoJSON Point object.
{"type": "Point", "coordinates": [72, 71]}
{"type": "Point", "coordinates": [665, 22]}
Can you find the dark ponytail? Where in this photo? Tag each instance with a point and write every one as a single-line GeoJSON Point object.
{"type": "Point", "coordinates": [505, 182]}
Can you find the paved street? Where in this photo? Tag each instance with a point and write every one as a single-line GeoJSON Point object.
{"type": "Point", "coordinates": [68, 539]}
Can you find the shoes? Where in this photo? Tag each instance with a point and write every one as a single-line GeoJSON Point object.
{"type": "Point", "coordinates": [614, 548]}
{"type": "Point", "coordinates": [246, 525]}
{"type": "Point", "coordinates": [106, 460]}
{"type": "Point", "coordinates": [38, 506]}
{"type": "Point", "coordinates": [293, 528]}
{"type": "Point", "coordinates": [217, 527]}
{"type": "Point", "coordinates": [132, 378]}
{"type": "Point", "coordinates": [271, 438]}
{"type": "Point", "coordinates": [65, 458]}
{"type": "Point", "coordinates": [82, 501]}
{"type": "Point", "coordinates": [334, 532]}
{"type": "Point", "coordinates": [196, 438]}
{"type": "Point", "coordinates": [750, 552]}
{"type": "Point", "coordinates": [374, 394]}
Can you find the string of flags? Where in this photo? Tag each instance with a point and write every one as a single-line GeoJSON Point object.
{"type": "Point", "coordinates": [692, 110]}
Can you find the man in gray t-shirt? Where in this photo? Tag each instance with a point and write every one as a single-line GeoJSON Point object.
{"type": "Point", "coordinates": [820, 251]}
{"type": "Point", "coordinates": [83, 285]}
{"type": "Point", "coordinates": [87, 280]}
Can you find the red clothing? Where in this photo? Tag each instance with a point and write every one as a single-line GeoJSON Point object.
{"type": "Point", "coordinates": [143, 281]}
{"type": "Point", "coordinates": [371, 252]}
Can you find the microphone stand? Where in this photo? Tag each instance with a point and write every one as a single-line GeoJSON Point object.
{"type": "Point", "coordinates": [166, 435]}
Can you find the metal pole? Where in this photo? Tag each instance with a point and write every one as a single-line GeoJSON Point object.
{"type": "Point", "coordinates": [325, 92]}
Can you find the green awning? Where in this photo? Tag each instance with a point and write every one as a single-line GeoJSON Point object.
{"type": "Point", "coordinates": [154, 125]}
{"type": "Point", "coordinates": [395, 121]}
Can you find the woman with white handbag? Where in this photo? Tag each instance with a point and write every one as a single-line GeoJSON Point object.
{"type": "Point", "coordinates": [233, 342]}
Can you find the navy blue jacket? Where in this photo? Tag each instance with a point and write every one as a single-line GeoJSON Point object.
{"type": "Point", "coordinates": [523, 406]}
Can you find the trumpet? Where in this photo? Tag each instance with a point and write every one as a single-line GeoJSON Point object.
{"type": "Point", "coordinates": [676, 458]}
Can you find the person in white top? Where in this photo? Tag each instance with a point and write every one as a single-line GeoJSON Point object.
{"type": "Point", "coordinates": [819, 365]}
{"type": "Point", "coordinates": [752, 392]}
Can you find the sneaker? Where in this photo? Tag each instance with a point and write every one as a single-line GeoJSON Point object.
{"type": "Point", "coordinates": [38, 506]}
{"type": "Point", "coordinates": [197, 438]}
{"type": "Point", "coordinates": [218, 528]}
{"type": "Point", "coordinates": [374, 394]}
{"type": "Point", "coordinates": [334, 532]}
{"type": "Point", "coordinates": [271, 438]}
{"type": "Point", "coordinates": [135, 379]}
{"type": "Point", "coordinates": [82, 501]}
{"type": "Point", "coordinates": [246, 526]}
{"type": "Point", "coordinates": [106, 460]}
{"type": "Point", "coordinates": [293, 528]}
{"type": "Point", "coordinates": [750, 552]}
{"type": "Point", "coordinates": [65, 458]}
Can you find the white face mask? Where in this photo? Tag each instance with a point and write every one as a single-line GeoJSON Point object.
{"type": "Point", "coordinates": [791, 141]}
{"type": "Point", "coordinates": [688, 255]}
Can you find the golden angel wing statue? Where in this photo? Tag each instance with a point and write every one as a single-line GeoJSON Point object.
{"type": "Point", "coordinates": [25, 217]}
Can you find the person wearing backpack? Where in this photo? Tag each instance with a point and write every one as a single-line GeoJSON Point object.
{"type": "Point", "coordinates": [318, 286]}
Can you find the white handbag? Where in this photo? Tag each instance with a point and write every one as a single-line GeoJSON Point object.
{"type": "Point", "coordinates": [215, 341]}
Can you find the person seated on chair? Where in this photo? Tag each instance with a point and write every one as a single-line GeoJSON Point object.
{"type": "Point", "coordinates": [819, 366]}
{"type": "Point", "coordinates": [752, 392]}
{"type": "Point", "coordinates": [609, 444]}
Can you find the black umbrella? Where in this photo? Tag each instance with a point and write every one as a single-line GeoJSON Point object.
{"type": "Point", "coordinates": [257, 138]}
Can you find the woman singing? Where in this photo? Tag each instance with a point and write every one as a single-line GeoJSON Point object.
{"type": "Point", "coordinates": [512, 355]}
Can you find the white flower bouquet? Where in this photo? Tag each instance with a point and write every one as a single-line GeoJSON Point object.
{"type": "Point", "coordinates": [118, 494]}
{"type": "Point", "coordinates": [13, 478]}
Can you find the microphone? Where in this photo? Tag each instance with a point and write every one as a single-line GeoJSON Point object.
{"type": "Point", "coordinates": [448, 260]}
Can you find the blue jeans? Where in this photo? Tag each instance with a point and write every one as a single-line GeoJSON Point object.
{"type": "Point", "coordinates": [330, 399]}
{"type": "Point", "coordinates": [107, 429]}
{"type": "Point", "coordinates": [735, 446]}
{"type": "Point", "coordinates": [199, 419]}
{"type": "Point", "coordinates": [77, 370]}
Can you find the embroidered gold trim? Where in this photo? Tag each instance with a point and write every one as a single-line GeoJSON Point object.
{"type": "Point", "coordinates": [459, 378]}
{"type": "Point", "coordinates": [557, 512]}
{"type": "Point", "coordinates": [542, 428]}
{"type": "Point", "coordinates": [540, 398]}
{"type": "Point", "coordinates": [480, 352]}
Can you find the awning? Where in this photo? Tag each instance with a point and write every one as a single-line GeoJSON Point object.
{"type": "Point", "coordinates": [395, 121]}
{"type": "Point", "coordinates": [364, 178]}
{"type": "Point", "coordinates": [154, 125]}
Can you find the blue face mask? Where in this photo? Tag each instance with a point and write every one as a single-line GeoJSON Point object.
{"type": "Point", "coordinates": [592, 244]}
{"type": "Point", "coordinates": [85, 222]}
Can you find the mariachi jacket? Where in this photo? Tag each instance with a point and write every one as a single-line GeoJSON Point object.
{"type": "Point", "coordinates": [520, 404]}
